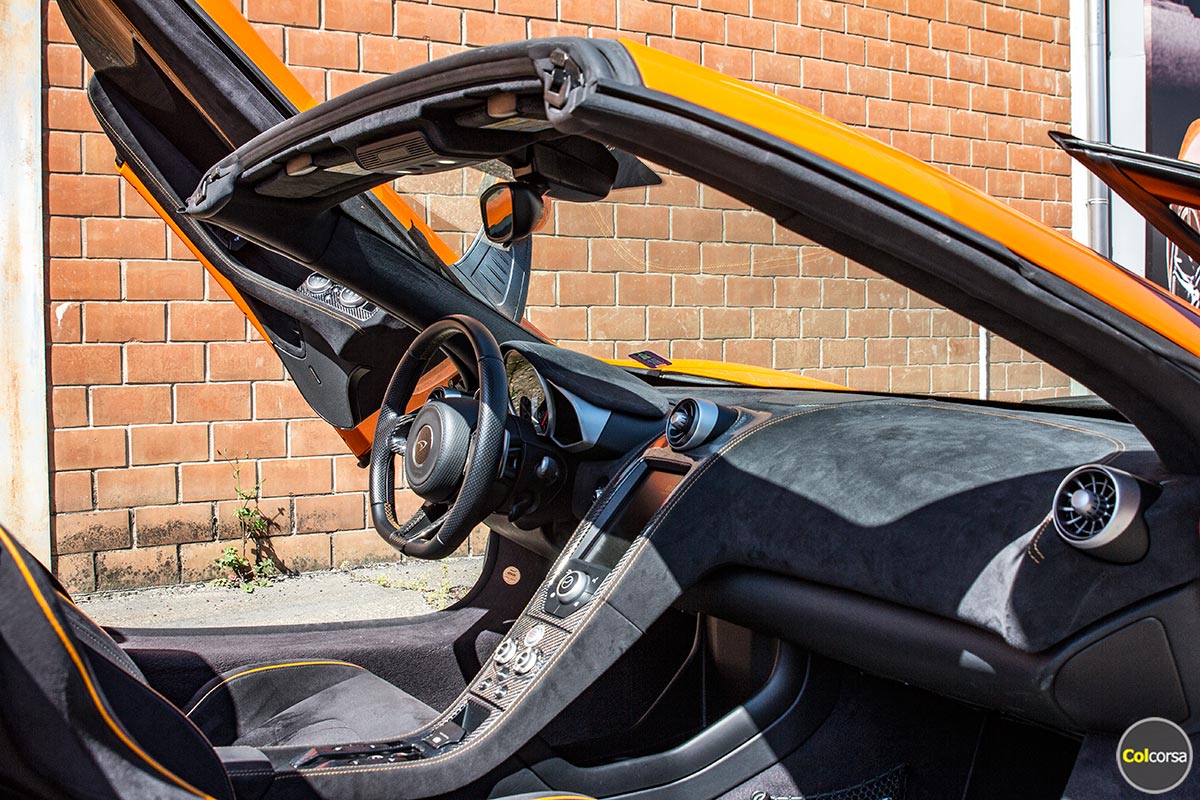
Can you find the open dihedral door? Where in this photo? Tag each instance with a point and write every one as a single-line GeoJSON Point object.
{"type": "Point", "coordinates": [178, 85]}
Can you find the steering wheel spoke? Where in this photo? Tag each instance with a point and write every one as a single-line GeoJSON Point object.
{"type": "Point", "coordinates": [424, 523]}
{"type": "Point", "coordinates": [398, 440]}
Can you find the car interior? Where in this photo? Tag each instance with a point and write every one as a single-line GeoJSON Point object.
{"type": "Point", "coordinates": [692, 589]}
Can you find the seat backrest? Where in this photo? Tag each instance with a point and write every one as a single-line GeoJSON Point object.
{"type": "Point", "coordinates": [76, 718]}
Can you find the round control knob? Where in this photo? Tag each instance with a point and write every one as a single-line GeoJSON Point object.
{"type": "Point", "coordinates": [571, 586]}
{"type": "Point", "coordinates": [526, 661]}
{"type": "Point", "coordinates": [350, 298]}
{"type": "Point", "coordinates": [534, 636]}
{"type": "Point", "coordinates": [506, 651]}
{"type": "Point", "coordinates": [317, 283]}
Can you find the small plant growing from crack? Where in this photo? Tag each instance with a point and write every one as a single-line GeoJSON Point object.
{"type": "Point", "coordinates": [437, 594]}
{"type": "Point", "coordinates": [237, 567]}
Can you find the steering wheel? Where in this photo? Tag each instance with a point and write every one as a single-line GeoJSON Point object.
{"type": "Point", "coordinates": [452, 446]}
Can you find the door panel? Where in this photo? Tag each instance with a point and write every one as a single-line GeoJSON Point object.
{"type": "Point", "coordinates": [165, 73]}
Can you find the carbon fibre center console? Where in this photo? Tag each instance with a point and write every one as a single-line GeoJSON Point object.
{"type": "Point", "coordinates": [570, 596]}
{"type": "Point", "coordinates": [560, 606]}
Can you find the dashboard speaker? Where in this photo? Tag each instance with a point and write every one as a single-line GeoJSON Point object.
{"type": "Point", "coordinates": [1099, 510]}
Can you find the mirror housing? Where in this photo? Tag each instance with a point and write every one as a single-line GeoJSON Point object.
{"type": "Point", "coordinates": [511, 212]}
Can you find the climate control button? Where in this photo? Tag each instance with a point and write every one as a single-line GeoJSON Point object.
{"type": "Point", "coordinates": [506, 651]}
{"type": "Point", "coordinates": [526, 660]}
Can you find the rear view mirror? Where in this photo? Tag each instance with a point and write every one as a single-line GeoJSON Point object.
{"type": "Point", "coordinates": [511, 212]}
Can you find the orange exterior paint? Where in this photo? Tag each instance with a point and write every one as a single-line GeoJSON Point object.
{"type": "Point", "coordinates": [224, 283]}
{"type": "Point", "coordinates": [925, 184]}
{"type": "Point", "coordinates": [743, 374]}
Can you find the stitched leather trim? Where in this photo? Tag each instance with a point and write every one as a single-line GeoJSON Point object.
{"type": "Point", "coordinates": [83, 673]}
{"type": "Point", "coordinates": [229, 679]}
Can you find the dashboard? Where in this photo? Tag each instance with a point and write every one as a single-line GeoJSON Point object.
{"type": "Point", "coordinates": [949, 521]}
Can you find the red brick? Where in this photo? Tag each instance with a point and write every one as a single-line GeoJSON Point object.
{"type": "Point", "coordinates": [94, 530]}
{"type": "Point", "coordinates": [215, 401]}
{"type": "Point", "coordinates": [304, 13]}
{"type": "Point", "coordinates": [560, 323]}
{"type": "Point", "coordinates": [617, 323]}
{"type": "Point", "coordinates": [302, 553]}
{"type": "Point", "coordinates": [279, 401]}
{"type": "Point", "coordinates": [168, 444]}
{"type": "Point", "coordinates": [84, 195]}
{"type": "Point", "coordinates": [89, 448]}
{"type": "Point", "coordinates": [249, 439]}
{"type": "Point", "coordinates": [725, 323]}
{"type": "Point", "coordinates": [355, 548]}
{"type": "Point", "coordinates": [365, 16]}
{"type": "Point", "coordinates": [420, 21]}
{"type": "Point", "coordinates": [68, 407]}
{"type": "Point", "coordinates": [592, 12]}
{"type": "Point", "coordinates": [125, 488]}
{"type": "Point", "coordinates": [387, 54]}
{"type": "Point", "coordinates": [776, 68]}
{"type": "Point", "coordinates": [327, 514]}
{"type": "Point", "coordinates": [164, 363]}
{"type": "Point", "coordinates": [583, 289]}
{"type": "Point", "coordinates": [785, 11]}
{"type": "Point", "coordinates": [163, 280]}
{"type": "Point", "coordinates": [99, 157]}
{"type": "Point", "coordinates": [640, 15]}
{"type": "Point", "coordinates": [76, 572]}
{"type": "Point", "coordinates": [485, 28]}
{"type": "Point", "coordinates": [673, 323]}
{"type": "Point", "coordinates": [68, 110]}
{"type": "Point", "coordinates": [314, 437]}
{"type": "Point", "coordinates": [639, 290]}
{"type": "Point", "coordinates": [348, 476]}
{"type": "Point", "coordinates": [699, 25]}
{"type": "Point", "coordinates": [329, 49]}
{"type": "Point", "coordinates": [84, 280]}
{"type": "Point", "coordinates": [295, 476]}
{"type": "Point", "coordinates": [64, 322]}
{"type": "Point", "coordinates": [124, 322]}
{"type": "Point", "coordinates": [173, 524]}
{"type": "Point", "coordinates": [124, 238]}
{"type": "Point", "coordinates": [72, 491]}
{"type": "Point", "coordinates": [126, 405]}
{"type": "Point", "coordinates": [213, 481]}
{"type": "Point", "coordinates": [251, 361]}
{"type": "Point", "coordinates": [206, 322]}
{"type": "Point", "coordinates": [132, 569]}
{"type": "Point", "coordinates": [65, 239]}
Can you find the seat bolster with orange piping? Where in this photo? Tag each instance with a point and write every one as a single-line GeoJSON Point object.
{"type": "Point", "coordinates": [76, 723]}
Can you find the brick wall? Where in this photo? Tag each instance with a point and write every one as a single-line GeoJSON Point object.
{"type": "Point", "coordinates": [155, 374]}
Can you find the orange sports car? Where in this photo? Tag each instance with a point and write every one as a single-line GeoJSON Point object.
{"type": "Point", "coordinates": [745, 583]}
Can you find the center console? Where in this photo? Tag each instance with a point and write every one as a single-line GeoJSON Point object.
{"type": "Point", "coordinates": [572, 597]}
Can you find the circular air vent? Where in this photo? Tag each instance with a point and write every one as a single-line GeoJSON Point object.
{"type": "Point", "coordinates": [693, 421]}
{"type": "Point", "coordinates": [1099, 509]}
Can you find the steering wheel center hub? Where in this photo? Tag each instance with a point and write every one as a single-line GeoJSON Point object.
{"type": "Point", "coordinates": [436, 456]}
{"type": "Point", "coordinates": [422, 445]}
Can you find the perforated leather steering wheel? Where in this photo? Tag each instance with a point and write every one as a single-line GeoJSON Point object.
{"type": "Point", "coordinates": [452, 446]}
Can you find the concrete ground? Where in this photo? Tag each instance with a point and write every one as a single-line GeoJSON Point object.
{"type": "Point", "coordinates": [380, 591]}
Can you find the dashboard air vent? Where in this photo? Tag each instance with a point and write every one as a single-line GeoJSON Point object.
{"type": "Point", "coordinates": [1099, 510]}
{"type": "Point", "coordinates": [692, 422]}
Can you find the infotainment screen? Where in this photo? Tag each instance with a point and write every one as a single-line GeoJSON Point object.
{"type": "Point", "coordinates": [619, 530]}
